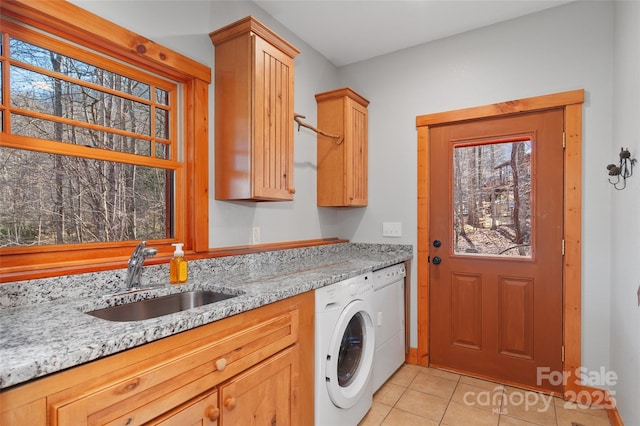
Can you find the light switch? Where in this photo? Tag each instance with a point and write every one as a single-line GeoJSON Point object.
{"type": "Point", "coordinates": [392, 229]}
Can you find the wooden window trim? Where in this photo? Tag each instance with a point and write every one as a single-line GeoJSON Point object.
{"type": "Point", "coordinates": [77, 25]}
{"type": "Point", "coordinates": [572, 215]}
{"type": "Point", "coordinates": [99, 265]}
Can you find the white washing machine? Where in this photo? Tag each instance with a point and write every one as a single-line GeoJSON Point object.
{"type": "Point", "coordinates": [344, 339]}
{"type": "Point", "coordinates": [389, 320]}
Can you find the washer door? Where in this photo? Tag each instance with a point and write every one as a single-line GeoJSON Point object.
{"type": "Point", "coordinates": [350, 357]}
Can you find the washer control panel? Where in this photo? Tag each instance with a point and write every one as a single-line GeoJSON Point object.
{"type": "Point", "coordinates": [352, 288]}
{"type": "Point", "coordinates": [359, 286]}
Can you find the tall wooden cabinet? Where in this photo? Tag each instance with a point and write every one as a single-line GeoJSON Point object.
{"type": "Point", "coordinates": [342, 166]}
{"type": "Point", "coordinates": [254, 74]}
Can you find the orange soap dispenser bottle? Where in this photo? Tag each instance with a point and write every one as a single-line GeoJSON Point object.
{"type": "Point", "coordinates": [178, 272]}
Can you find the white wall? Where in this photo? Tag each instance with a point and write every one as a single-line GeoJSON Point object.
{"type": "Point", "coordinates": [625, 229]}
{"type": "Point", "coordinates": [565, 48]}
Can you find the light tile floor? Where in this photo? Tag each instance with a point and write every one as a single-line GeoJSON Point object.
{"type": "Point", "coordinates": [422, 396]}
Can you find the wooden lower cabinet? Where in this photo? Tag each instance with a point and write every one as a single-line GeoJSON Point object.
{"type": "Point", "coordinates": [265, 395]}
{"type": "Point", "coordinates": [253, 368]}
{"type": "Point", "coordinates": [33, 413]}
{"type": "Point", "coordinates": [203, 410]}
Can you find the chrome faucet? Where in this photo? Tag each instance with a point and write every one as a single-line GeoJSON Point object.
{"type": "Point", "coordinates": [136, 261]}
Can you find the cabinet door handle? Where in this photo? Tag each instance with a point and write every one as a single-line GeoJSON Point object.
{"type": "Point", "coordinates": [230, 403]}
{"type": "Point", "coordinates": [212, 413]}
{"type": "Point", "coordinates": [292, 190]}
{"type": "Point", "coordinates": [221, 364]}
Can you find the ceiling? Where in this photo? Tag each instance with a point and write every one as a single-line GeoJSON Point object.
{"type": "Point", "coordinates": [349, 31]}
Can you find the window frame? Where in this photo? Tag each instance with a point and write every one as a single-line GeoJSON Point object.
{"type": "Point", "coordinates": [61, 19]}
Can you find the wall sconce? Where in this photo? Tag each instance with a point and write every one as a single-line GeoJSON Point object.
{"type": "Point", "coordinates": [623, 170]}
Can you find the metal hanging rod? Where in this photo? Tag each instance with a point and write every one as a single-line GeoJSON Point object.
{"type": "Point", "coordinates": [298, 119]}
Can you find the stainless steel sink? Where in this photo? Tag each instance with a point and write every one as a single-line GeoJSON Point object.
{"type": "Point", "coordinates": [159, 306]}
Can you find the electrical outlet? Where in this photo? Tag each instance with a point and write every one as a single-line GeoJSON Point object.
{"type": "Point", "coordinates": [392, 229]}
{"type": "Point", "coordinates": [255, 235]}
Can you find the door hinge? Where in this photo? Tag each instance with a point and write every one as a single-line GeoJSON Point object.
{"type": "Point", "coordinates": [564, 140]}
{"type": "Point", "coordinates": [562, 353]}
{"type": "Point", "coordinates": [563, 246]}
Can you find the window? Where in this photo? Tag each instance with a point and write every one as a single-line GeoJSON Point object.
{"type": "Point", "coordinates": [119, 188]}
{"type": "Point", "coordinates": [97, 150]}
{"type": "Point", "coordinates": [492, 198]}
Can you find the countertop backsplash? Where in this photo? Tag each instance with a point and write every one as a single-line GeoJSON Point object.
{"type": "Point", "coordinates": [31, 292]}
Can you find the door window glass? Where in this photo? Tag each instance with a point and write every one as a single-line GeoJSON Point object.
{"type": "Point", "coordinates": [492, 193]}
{"type": "Point", "coordinates": [351, 349]}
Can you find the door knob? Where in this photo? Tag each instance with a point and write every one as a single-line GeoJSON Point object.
{"type": "Point", "coordinates": [230, 403]}
{"type": "Point", "coordinates": [212, 413]}
{"type": "Point", "coordinates": [437, 243]}
{"type": "Point", "coordinates": [437, 260]}
{"type": "Point", "coordinates": [221, 364]}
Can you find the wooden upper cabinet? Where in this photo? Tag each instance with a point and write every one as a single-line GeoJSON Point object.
{"type": "Point", "coordinates": [253, 113]}
{"type": "Point", "coordinates": [342, 166]}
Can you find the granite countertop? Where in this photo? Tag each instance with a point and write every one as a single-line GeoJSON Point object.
{"type": "Point", "coordinates": [44, 328]}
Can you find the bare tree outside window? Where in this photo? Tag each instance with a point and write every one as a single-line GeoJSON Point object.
{"type": "Point", "coordinates": [492, 199]}
{"type": "Point", "coordinates": [49, 196]}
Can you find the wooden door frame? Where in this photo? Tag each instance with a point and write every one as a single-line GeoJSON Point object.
{"type": "Point", "coordinates": [571, 102]}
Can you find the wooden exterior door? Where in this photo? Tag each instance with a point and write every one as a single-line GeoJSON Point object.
{"type": "Point", "coordinates": [496, 212]}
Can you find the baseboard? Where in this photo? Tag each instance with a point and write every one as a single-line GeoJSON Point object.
{"type": "Point", "coordinates": [412, 356]}
{"type": "Point", "coordinates": [614, 417]}
{"type": "Point", "coordinates": [595, 397]}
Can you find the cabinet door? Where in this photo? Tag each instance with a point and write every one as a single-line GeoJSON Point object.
{"type": "Point", "coordinates": [33, 413]}
{"type": "Point", "coordinates": [356, 128]}
{"type": "Point", "coordinates": [202, 411]}
{"type": "Point", "coordinates": [264, 395]}
{"type": "Point", "coordinates": [273, 123]}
